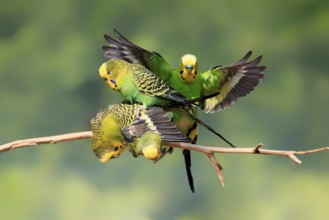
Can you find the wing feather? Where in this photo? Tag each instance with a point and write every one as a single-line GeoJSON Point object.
{"type": "Point", "coordinates": [124, 49]}
{"type": "Point", "coordinates": [150, 84]}
{"type": "Point", "coordinates": [154, 119]}
{"type": "Point", "coordinates": [232, 81]}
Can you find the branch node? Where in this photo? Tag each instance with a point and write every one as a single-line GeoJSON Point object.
{"type": "Point", "coordinates": [256, 149]}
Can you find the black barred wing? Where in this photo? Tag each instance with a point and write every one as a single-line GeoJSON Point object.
{"type": "Point", "coordinates": [126, 50]}
{"type": "Point", "coordinates": [150, 84]}
{"type": "Point", "coordinates": [154, 119]}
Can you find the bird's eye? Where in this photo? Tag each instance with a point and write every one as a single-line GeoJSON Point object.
{"type": "Point", "coordinates": [181, 72]}
{"type": "Point", "coordinates": [116, 148]}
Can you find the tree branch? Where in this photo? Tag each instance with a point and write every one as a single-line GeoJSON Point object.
{"type": "Point", "coordinates": [209, 151]}
{"type": "Point", "coordinates": [45, 140]}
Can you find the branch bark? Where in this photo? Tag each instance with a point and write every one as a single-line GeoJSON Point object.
{"type": "Point", "coordinates": [45, 140]}
{"type": "Point", "coordinates": [209, 151]}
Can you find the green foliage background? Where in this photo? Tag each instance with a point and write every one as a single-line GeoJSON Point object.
{"type": "Point", "coordinates": [49, 57]}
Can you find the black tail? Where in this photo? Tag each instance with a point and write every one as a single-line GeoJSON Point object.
{"type": "Point", "coordinates": [187, 158]}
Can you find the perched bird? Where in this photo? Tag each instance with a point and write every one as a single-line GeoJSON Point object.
{"type": "Point", "coordinates": [141, 130]}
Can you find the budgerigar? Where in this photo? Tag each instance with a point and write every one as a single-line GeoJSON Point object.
{"type": "Point", "coordinates": [141, 130]}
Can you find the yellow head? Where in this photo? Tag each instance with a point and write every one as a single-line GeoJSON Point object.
{"type": "Point", "coordinates": [106, 152]}
{"type": "Point", "coordinates": [107, 139]}
{"type": "Point", "coordinates": [188, 68]}
{"type": "Point", "coordinates": [112, 72]}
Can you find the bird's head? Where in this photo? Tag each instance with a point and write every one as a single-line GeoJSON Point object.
{"type": "Point", "coordinates": [107, 151]}
{"type": "Point", "coordinates": [188, 68]}
{"type": "Point", "coordinates": [110, 71]}
{"type": "Point", "coordinates": [107, 141]}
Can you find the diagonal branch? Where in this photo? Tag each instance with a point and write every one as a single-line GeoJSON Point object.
{"type": "Point", "coordinates": [218, 168]}
{"type": "Point", "coordinates": [209, 151]}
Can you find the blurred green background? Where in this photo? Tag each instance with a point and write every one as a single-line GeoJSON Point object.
{"type": "Point", "coordinates": [49, 84]}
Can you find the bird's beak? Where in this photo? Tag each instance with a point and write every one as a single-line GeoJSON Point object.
{"type": "Point", "coordinates": [114, 156]}
{"type": "Point", "coordinates": [108, 156]}
{"type": "Point", "coordinates": [189, 67]}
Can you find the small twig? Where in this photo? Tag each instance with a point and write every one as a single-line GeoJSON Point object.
{"type": "Point", "coordinates": [209, 151]}
{"type": "Point", "coordinates": [256, 149]}
{"type": "Point", "coordinates": [218, 168]}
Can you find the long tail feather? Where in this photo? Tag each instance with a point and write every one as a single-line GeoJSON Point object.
{"type": "Point", "coordinates": [187, 158]}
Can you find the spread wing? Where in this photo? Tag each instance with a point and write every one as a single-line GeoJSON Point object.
{"type": "Point", "coordinates": [232, 81]}
{"type": "Point", "coordinates": [122, 48]}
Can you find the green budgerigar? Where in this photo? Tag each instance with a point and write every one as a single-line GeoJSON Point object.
{"type": "Point", "coordinates": [138, 84]}
{"type": "Point", "coordinates": [141, 130]}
